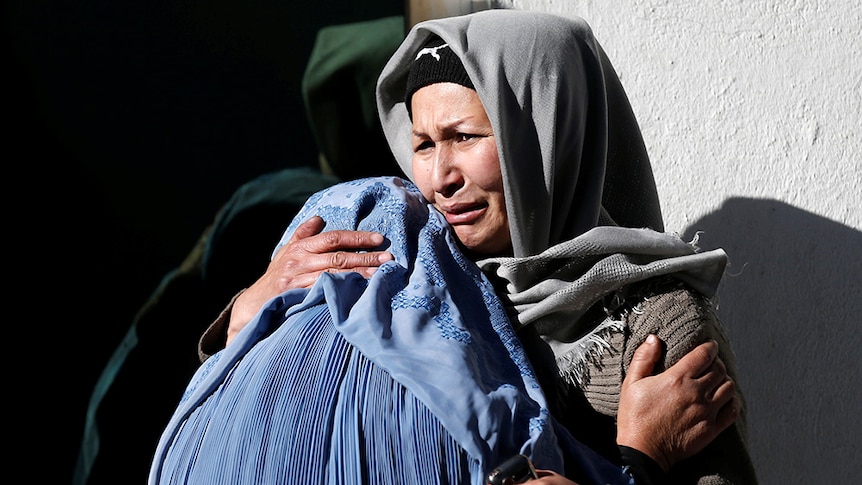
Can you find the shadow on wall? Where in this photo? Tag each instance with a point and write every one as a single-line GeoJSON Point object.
{"type": "Point", "coordinates": [792, 302]}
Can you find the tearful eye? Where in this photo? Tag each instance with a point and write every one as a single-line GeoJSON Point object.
{"type": "Point", "coordinates": [425, 145]}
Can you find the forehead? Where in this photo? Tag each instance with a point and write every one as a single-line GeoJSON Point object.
{"type": "Point", "coordinates": [447, 102]}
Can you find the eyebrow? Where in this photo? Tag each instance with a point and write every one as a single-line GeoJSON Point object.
{"type": "Point", "coordinates": [451, 127]}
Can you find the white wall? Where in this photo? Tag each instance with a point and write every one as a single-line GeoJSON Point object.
{"type": "Point", "coordinates": [761, 98]}
{"type": "Point", "coordinates": [752, 115]}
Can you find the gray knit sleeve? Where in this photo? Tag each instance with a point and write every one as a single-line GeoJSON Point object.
{"type": "Point", "coordinates": [683, 319]}
{"type": "Point", "coordinates": [214, 337]}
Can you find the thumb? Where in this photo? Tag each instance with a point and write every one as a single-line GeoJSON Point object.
{"type": "Point", "coordinates": [645, 358]}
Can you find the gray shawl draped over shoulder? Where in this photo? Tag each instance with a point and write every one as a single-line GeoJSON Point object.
{"type": "Point", "coordinates": [549, 89]}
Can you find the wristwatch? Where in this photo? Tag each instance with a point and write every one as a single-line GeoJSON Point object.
{"type": "Point", "coordinates": [517, 469]}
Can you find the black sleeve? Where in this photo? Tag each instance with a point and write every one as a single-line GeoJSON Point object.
{"type": "Point", "coordinates": [641, 467]}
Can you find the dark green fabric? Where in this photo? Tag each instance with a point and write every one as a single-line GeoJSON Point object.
{"type": "Point", "coordinates": [338, 89]}
{"type": "Point", "coordinates": [142, 383]}
{"type": "Point", "coordinates": [144, 379]}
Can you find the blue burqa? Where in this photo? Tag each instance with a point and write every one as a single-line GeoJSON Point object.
{"type": "Point", "coordinates": [414, 375]}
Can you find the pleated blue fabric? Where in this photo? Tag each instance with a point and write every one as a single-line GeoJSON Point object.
{"type": "Point", "coordinates": [412, 376]}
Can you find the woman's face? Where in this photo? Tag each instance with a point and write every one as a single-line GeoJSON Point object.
{"type": "Point", "coordinates": [457, 168]}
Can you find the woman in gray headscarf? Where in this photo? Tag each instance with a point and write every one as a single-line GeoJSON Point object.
{"type": "Point", "coordinates": [566, 225]}
{"type": "Point", "coordinates": [584, 282]}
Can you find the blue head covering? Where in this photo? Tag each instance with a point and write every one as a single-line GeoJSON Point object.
{"type": "Point", "coordinates": [413, 371]}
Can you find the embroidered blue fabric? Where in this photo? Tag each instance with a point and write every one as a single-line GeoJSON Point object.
{"type": "Point", "coordinates": [414, 375]}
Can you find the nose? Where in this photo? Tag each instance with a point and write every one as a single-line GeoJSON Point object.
{"type": "Point", "coordinates": [446, 178]}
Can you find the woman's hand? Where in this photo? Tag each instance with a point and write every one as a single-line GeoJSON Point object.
{"type": "Point", "coordinates": [300, 262]}
{"type": "Point", "coordinates": [675, 414]}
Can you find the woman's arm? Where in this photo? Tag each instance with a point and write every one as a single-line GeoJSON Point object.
{"type": "Point", "coordinates": [683, 319]}
{"type": "Point", "coordinates": [214, 337]}
{"type": "Point", "coordinates": [668, 417]}
{"type": "Point", "coordinates": [297, 264]}
{"type": "Point", "coordinates": [673, 415]}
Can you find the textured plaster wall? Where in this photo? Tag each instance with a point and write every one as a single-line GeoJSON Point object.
{"type": "Point", "coordinates": [752, 114]}
{"type": "Point", "coordinates": [753, 99]}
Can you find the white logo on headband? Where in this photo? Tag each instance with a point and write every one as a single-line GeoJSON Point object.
{"type": "Point", "coordinates": [432, 51]}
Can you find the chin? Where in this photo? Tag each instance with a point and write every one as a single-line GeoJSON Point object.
{"type": "Point", "coordinates": [484, 250]}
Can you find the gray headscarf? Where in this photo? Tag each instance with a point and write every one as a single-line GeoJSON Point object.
{"type": "Point", "coordinates": [583, 211]}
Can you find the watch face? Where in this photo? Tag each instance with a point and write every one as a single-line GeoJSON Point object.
{"type": "Point", "coordinates": [517, 469]}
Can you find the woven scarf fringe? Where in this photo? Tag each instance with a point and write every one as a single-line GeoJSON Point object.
{"type": "Point", "coordinates": [588, 353]}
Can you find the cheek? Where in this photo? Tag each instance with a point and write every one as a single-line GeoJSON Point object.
{"type": "Point", "coordinates": [422, 178]}
{"type": "Point", "coordinates": [487, 171]}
